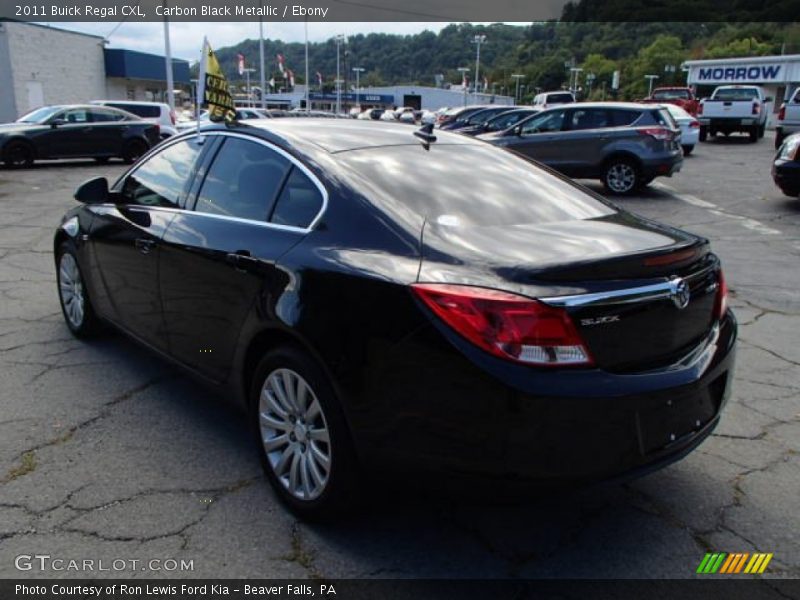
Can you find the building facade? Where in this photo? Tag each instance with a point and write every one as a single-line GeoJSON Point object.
{"type": "Point", "coordinates": [42, 65]}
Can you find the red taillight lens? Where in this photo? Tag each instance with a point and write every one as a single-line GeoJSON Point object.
{"type": "Point", "coordinates": [782, 113]}
{"type": "Point", "coordinates": [694, 124]}
{"type": "Point", "coordinates": [756, 108]}
{"type": "Point", "coordinates": [660, 133]}
{"type": "Point", "coordinates": [506, 325]}
{"type": "Point", "coordinates": [721, 303]}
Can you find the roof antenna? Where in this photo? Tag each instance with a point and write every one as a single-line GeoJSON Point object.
{"type": "Point", "coordinates": [425, 133]}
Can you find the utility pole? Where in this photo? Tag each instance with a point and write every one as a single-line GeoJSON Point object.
{"type": "Point", "coordinates": [339, 41]}
{"type": "Point", "coordinates": [308, 85]}
{"type": "Point", "coordinates": [650, 79]}
{"type": "Point", "coordinates": [261, 59]}
{"type": "Point", "coordinates": [517, 76]}
{"type": "Point", "coordinates": [168, 58]}
{"type": "Point", "coordinates": [464, 71]}
{"type": "Point", "coordinates": [358, 71]}
{"type": "Point", "coordinates": [575, 71]}
{"type": "Point", "coordinates": [478, 40]}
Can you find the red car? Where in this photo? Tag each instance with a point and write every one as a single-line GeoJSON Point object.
{"type": "Point", "coordinates": [680, 96]}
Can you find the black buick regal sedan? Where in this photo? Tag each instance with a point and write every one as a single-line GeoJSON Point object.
{"type": "Point", "coordinates": [384, 301]}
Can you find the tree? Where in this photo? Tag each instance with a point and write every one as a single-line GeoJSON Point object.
{"type": "Point", "coordinates": [651, 60]}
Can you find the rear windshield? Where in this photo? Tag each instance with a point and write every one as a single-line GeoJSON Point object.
{"type": "Point", "coordinates": [671, 95]}
{"type": "Point", "coordinates": [469, 185]}
{"type": "Point", "coordinates": [145, 111]}
{"type": "Point", "coordinates": [734, 94]}
{"type": "Point", "coordinates": [559, 98]}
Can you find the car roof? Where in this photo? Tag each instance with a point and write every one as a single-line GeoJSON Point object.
{"type": "Point", "coordinates": [340, 135]}
{"type": "Point", "coordinates": [134, 102]}
{"type": "Point", "coordinates": [628, 105]}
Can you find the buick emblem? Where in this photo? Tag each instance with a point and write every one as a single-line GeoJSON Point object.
{"type": "Point", "coordinates": [679, 292]}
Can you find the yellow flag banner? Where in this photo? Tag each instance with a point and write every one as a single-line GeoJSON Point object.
{"type": "Point", "coordinates": [215, 93]}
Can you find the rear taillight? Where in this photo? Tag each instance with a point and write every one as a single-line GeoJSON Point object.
{"type": "Point", "coordinates": [694, 124]}
{"type": "Point", "coordinates": [756, 108]}
{"type": "Point", "coordinates": [172, 116]}
{"type": "Point", "coordinates": [660, 133]}
{"type": "Point", "coordinates": [506, 325]}
{"type": "Point", "coordinates": [782, 113]}
{"type": "Point", "coordinates": [721, 302]}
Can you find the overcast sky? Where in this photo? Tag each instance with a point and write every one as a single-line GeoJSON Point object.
{"type": "Point", "coordinates": [186, 38]}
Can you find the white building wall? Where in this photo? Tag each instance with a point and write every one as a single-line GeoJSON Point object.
{"type": "Point", "coordinates": [66, 67]}
{"type": "Point", "coordinates": [435, 98]}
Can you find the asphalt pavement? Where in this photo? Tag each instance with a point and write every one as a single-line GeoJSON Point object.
{"type": "Point", "coordinates": [107, 452]}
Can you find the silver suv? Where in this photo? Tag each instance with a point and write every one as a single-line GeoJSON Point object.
{"type": "Point", "coordinates": [624, 145]}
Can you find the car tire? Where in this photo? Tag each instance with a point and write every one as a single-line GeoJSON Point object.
{"type": "Point", "coordinates": [703, 134]}
{"type": "Point", "coordinates": [762, 130]}
{"type": "Point", "coordinates": [18, 155]}
{"type": "Point", "coordinates": [302, 436]}
{"type": "Point", "coordinates": [621, 176]}
{"type": "Point", "coordinates": [133, 150]}
{"type": "Point", "coordinates": [753, 133]}
{"type": "Point", "coordinates": [779, 137]}
{"type": "Point", "coordinates": [687, 150]}
{"type": "Point", "coordinates": [73, 296]}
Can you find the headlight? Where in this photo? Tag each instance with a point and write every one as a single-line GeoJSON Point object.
{"type": "Point", "coordinates": [789, 150]}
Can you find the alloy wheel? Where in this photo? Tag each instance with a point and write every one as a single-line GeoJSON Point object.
{"type": "Point", "coordinates": [70, 287]}
{"type": "Point", "coordinates": [621, 178]}
{"type": "Point", "coordinates": [295, 434]}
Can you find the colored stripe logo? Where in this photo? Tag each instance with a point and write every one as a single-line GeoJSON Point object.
{"type": "Point", "coordinates": [734, 563]}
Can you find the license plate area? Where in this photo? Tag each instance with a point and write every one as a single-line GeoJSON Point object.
{"type": "Point", "coordinates": [676, 418]}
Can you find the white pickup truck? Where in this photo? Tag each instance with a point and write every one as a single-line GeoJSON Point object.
{"type": "Point", "coordinates": [734, 109]}
{"type": "Point", "coordinates": [788, 119]}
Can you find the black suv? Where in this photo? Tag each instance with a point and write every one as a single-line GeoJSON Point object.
{"type": "Point", "coordinates": [625, 145]}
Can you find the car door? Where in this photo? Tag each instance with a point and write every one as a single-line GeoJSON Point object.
{"type": "Point", "coordinates": [125, 238]}
{"type": "Point", "coordinates": [578, 149]}
{"type": "Point", "coordinates": [219, 259]}
{"type": "Point", "coordinates": [77, 135]}
{"type": "Point", "coordinates": [108, 132]}
{"type": "Point", "coordinates": [538, 137]}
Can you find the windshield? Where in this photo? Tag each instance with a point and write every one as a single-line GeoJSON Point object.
{"type": "Point", "coordinates": [40, 115]}
{"type": "Point", "coordinates": [734, 94]}
{"type": "Point", "coordinates": [505, 190]}
{"type": "Point", "coordinates": [671, 95]}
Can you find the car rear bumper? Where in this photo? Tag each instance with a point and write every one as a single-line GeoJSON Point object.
{"type": "Point", "coordinates": [786, 174]}
{"type": "Point", "coordinates": [449, 416]}
{"type": "Point", "coordinates": [729, 123]}
{"type": "Point", "coordinates": [663, 166]}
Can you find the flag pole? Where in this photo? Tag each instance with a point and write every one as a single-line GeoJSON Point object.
{"type": "Point", "coordinates": [201, 84]}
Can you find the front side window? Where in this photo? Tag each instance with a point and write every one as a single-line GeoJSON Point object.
{"type": "Point", "coordinates": [243, 181]}
{"type": "Point", "coordinates": [75, 115]}
{"type": "Point", "coordinates": [544, 123]}
{"type": "Point", "coordinates": [506, 120]}
{"type": "Point", "coordinates": [162, 178]}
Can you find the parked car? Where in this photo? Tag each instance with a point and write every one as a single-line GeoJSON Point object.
{"type": "Point", "coordinates": [786, 167]}
{"type": "Point", "coordinates": [76, 131]}
{"type": "Point", "coordinates": [499, 323]}
{"type": "Point", "coordinates": [734, 109]}
{"type": "Point", "coordinates": [451, 117]}
{"type": "Point", "coordinates": [679, 96]}
{"type": "Point", "coordinates": [690, 127]}
{"type": "Point", "coordinates": [788, 119]}
{"type": "Point", "coordinates": [478, 118]}
{"type": "Point", "coordinates": [548, 99]}
{"type": "Point", "coordinates": [500, 122]}
{"type": "Point", "coordinates": [371, 114]}
{"type": "Point", "coordinates": [155, 112]}
{"type": "Point", "coordinates": [625, 145]}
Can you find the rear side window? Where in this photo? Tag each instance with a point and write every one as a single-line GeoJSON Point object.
{"type": "Point", "coordinates": [145, 111]}
{"type": "Point", "coordinates": [621, 118]}
{"type": "Point", "coordinates": [560, 98]}
{"type": "Point", "coordinates": [546, 122]}
{"type": "Point", "coordinates": [665, 119]}
{"type": "Point", "coordinates": [161, 179]}
{"type": "Point", "coordinates": [243, 181]}
{"type": "Point", "coordinates": [300, 201]}
{"type": "Point", "coordinates": [591, 118]}
{"type": "Point", "coordinates": [100, 115]}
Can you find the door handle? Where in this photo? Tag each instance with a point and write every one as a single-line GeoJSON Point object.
{"type": "Point", "coordinates": [144, 245]}
{"type": "Point", "coordinates": [240, 259]}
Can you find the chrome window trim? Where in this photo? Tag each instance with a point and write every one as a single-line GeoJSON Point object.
{"type": "Point", "coordinates": [643, 293]}
{"type": "Point", "coordinates": [288, 156]}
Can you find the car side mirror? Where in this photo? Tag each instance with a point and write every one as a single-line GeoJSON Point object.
{"type": "Point", "coordinates": [768, 99]}
{"type": "Point", "coordinates": [517, 130]}
{"type": "Point", "coordinates": [93, 191]}
{"type": "Point", "coordinates": [57, 123]}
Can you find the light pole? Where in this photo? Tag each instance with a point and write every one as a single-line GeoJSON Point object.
{"type": "Point", "coordinates": [358, 71]}
{"type": "Point", "coordinates": [650, 79]}
{"type": "Point", "coordinates": [464, 71]}
{"type": "Point", "coordinates": [261, 58]}
{"type": "Point", "coordinates": [517, 76]}
{"type": "Point", "coordinates": [308, 85]}
{"type": "Point", "coordinates": [575, 72]}
{"type": "Point", "coordinates": [168, 59]}
{"type": "Point", "coordinates": [478, 40]}
{"type": "Point", "coordinates": [340, 39]}
{"type": "Point", "coordinates": [590, 77]}
{"type": "Point", "coordinates": [249, 93]}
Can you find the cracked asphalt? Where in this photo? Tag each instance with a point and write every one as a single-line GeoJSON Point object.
{"type": "Point", "coordinates": [108, 452]}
